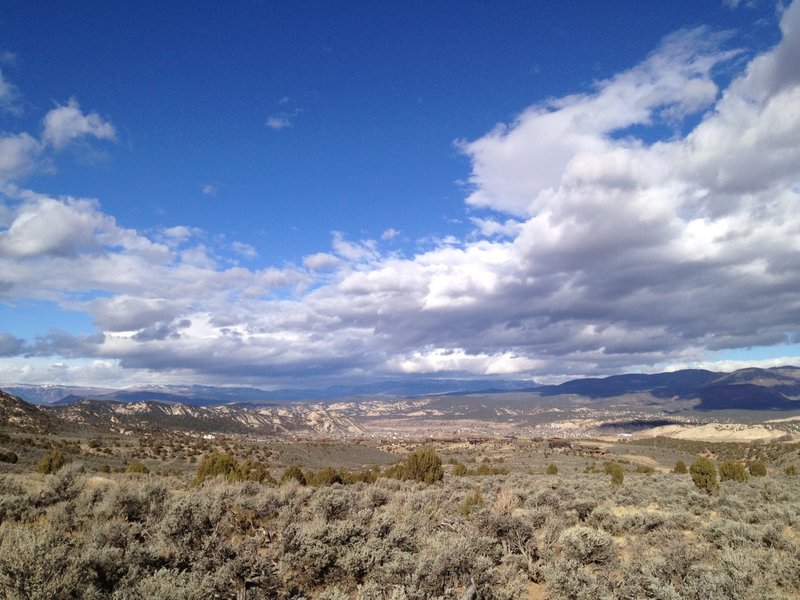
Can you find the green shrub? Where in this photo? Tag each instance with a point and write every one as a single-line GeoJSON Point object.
{"type": "Point", "coordinates": [731, 470]}
{"type": "Point", "coordinates": [366, 476]}
{"type": "Point", "coordinates": [294, 473]}
{"type": "Point", "coordinates": [252, 470]}
{"type": "Point", "coordinates": [489, 470]}
{"type": "Point", "coordinates": [704, 475]}
{"type": "Point", "coordinates": [214, 465]}
{"type": "Point", "coordinates": [616, 472]}
{"type": "Point", "coordinates": [423, 465]}
{"type": "Point", "coordinates": [51, 462]}
{"type": "Point", "coordinates": [326, 476]}
{"type": "Point", "coordinates": [680, 468]}
{"type": "Point", "coordinates": [461, 470]}
{"type": "Point", "coordinates": [137, 467]}
{"type": "Point", "coordinates": [551, 469]}
{"type": "Point", "coordinates": [394, 471]}
{"type": "Point", "coordinates": [757, 468]}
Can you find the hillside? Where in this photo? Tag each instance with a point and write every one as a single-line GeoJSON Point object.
{"type": "Point", "coordinates": [140, 417]}
{"type": "Point", "coordinates": [240, 419]}
{"type": "Point", "coordinates": [18, 414]}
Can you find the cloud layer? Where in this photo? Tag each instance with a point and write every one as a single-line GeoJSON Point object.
{"type": "Point", "coordinates": [601, 244]}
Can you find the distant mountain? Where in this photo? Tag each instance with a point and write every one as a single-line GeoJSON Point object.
{"type": "Point", "coordinates": [49, 394]}
{"type": "Point", "coordinates": [185, 394]}
{"type": "Point", "coordinates": [616, 385]}
{"type": "Point", "coordinates": [203, 395]}
{"type": "Point", "coordinates": [746, 389]}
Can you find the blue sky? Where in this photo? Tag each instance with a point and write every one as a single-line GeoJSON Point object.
{"type": "Point", "coordinates": [301, 193]}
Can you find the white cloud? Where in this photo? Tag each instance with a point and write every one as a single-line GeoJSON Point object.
{"type": "Point", "coordinates": [209, 190]}
{"type": "Point", "coordinates": [389, 234]}
{"type": "Point", "coordinates": [284, 118]}
{"type": "Point", "coordinates": [9, 93]}
{"type": "Point", "coordinates": [278, 122]}
{"type": "Point", "coordinates": [445, 361]}
{"type": "Point", "coordinates": [48, 226]}
{"type": "Point", "coordinates": [356, 252]}
{"type": "Point", "coordinates": [321, 261]}
{"type": "Point", "coordinates": [64, 124]}
{"type": "Point", "coordinates": [492, 228]}
{"type": "Point", "coordinates": [19, 156]}
{"type": "Point", "coordinates": [22, 155]}
{"type": "Point", "coordinates": [245, 250]}
{"type": "Point", "coordinates": [515, 166]}
{"type": "Point", "coordinates": [179, 234]}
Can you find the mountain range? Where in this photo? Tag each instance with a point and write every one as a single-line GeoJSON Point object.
{"type": "Point", "coordinates": [776, 388]}
{"type": "Point", "coordinates": [641, 398]}
{"type": "Point", "coordinates": [204, 395]}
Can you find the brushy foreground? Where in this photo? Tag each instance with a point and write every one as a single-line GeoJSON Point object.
{"type": "Point", "coordinates": [76, 535]}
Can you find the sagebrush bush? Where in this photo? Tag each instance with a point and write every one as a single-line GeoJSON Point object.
{"type": "Point", "coordinates": [587, 545]}
{"type": "Point", "coordinates": [77, 535]}
{"type": "Point", "coordinates": [471, 503]}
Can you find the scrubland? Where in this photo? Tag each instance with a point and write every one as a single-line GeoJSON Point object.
{"type": "Point", "coordinates": [553, 525]}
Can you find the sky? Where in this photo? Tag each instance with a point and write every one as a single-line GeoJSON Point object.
{"type": "Point", "coordinates": [300, 194]}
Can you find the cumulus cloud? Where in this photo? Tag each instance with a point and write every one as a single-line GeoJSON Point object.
{"type": "Point", "coordinates": [321, 261]}
{"type": "Point", "coordinates": [22, 154]}
{"type": "Point", "coordinates": [64, 344]}
{"type": "Point", "coordinates": [127, 313]}
{"type": "Point", "coordinates": [19, 156]}
{"type": "Point", "coordinates": [11, 345]}
{"type": "Point", "coordinates": [600, 245]}
{"type": "Point", "coordinates": [48, 226]}
{"type": "Point", "coordinates": [515, 166]}
{"type": "Point", "coordinates": [64, 124]}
